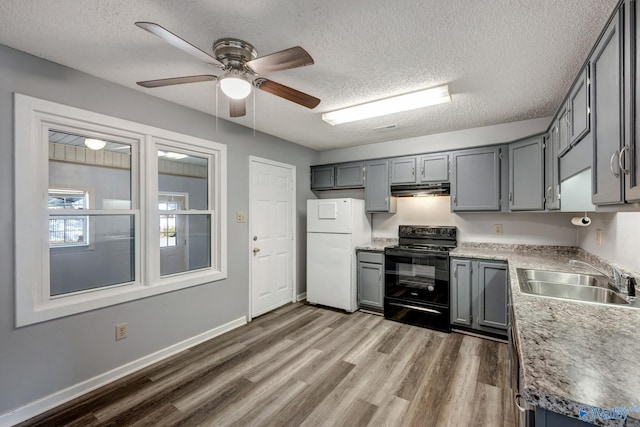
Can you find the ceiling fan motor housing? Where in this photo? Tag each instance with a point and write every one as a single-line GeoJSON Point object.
{"type": "Point", "coordinates": [234, 53]}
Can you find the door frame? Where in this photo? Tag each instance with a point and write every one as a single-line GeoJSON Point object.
{"type": "Point", "coordinates": [294, 235]}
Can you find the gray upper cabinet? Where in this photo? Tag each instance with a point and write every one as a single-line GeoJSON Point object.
{"type": "Point", "coordinates": [350, 175]}
{"type": "Point", "coordinates": [492, 294]}
{"type": "Point", "coordinates": [403, 170]}
{"type": "Point", "coordinates": [322, 177]}
{"type": "Point", "coordinates": [578, 110]}
{"type": "Point", "coordinates": [630, 157]}
{"type": "Point", "coordinates": [563, 130]}
{"type": "Point", "coordinates": [526, 175]}
{"type": "Point", "coordinates": [552, 175]}
{"type": "Point", "coordinates": [377, 195]}
{"type": "Point", "coordinates": [606, 115]}
{"type": "Point", "coordinates": [434, 168]}
{"type": "Point", "coordinates": [475, 179]}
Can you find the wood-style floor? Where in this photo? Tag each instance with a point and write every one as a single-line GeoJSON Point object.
{"type": "Point", "coordinates": [306, 366]}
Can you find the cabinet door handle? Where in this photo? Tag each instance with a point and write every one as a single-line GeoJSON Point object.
{"type": "Point", "coordinates": [510, 196]}
{"type": "Point", "coordinates": [413, 172]}
{"type": "Point", "coordinates": [549, 192]}
{"type": "Point", "coordinates": [621, 160]}
{"type": "Point", "coordinates": [455, 200]}
{"type": "Point", "coordinates": [516, 399]}
{"type": "Point", "coordinates": [611, 161]}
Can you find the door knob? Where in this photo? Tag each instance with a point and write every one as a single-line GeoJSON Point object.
{"type": "Point", "coordinates": [256, 250]}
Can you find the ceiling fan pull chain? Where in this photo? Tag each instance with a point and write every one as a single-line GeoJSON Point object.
{"type": "Point", "coordinates": [254, 113]}
{"type": "Point", "coordinates": [216, 107]}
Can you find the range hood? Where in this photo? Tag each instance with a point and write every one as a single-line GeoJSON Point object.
{"type": "Point", "coordinates": [418, 190]}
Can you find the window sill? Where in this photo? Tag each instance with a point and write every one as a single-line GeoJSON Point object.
{"type": "Point", "coordinates": [117, 294]}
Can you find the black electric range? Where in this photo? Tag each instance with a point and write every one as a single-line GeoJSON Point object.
{"type": "Point", "coordinates": [417, 276]}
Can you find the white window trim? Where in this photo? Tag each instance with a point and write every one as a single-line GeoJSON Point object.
{"type": "Point", "coordinates": [31, 216]}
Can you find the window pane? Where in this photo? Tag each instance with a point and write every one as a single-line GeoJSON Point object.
{"type": "Point", "coordinates": [108, 261]}
{"type": "Point", "coordinates": [186, 175]}
{"type": "Point", "coordinates": [68, 231]}
{"type": "Point", "coordinates": [102, 174]}
{"type": "Point", "coordinates": [188, 247]}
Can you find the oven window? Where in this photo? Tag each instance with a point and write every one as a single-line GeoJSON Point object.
{"type": "Point", "coordinates": [417, 275]}
{"type": "Point", "coordinates": [421, 278]}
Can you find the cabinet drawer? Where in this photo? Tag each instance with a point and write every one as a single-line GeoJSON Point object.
{"type": "Point", "coordinates": [372, 257]}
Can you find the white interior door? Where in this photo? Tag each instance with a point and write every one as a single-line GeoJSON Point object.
{"type": "Point", "coordinates": [271, 213]}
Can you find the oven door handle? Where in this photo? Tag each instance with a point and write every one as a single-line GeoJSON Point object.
{"type": "Point", "coordinates": [415, 307]}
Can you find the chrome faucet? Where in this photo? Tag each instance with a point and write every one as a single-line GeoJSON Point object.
{"type": "Point", "coordinates": [617, 274]}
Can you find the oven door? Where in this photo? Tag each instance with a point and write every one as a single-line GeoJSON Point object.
{"type": "Point", "coordinates": [417, 277]}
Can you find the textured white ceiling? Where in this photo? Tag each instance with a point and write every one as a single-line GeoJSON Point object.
{"type": "Point", "coordinates": [504, 60]}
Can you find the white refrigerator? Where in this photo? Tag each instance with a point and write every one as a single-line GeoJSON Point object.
{"type": "Point", "coordinates": [334, 228]}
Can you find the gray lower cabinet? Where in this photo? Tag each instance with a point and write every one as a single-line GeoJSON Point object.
{"type": "Point", "coordinates": [403, 170]}
{"type": "Point", "coordinates": [479, 295]}
{"type": "Point", "coordinates": [350, 175]}
{"type": "Point", "coordinates": [606, 115]}
{"type": "Point", "coordinates": [371, 280]}
{"type": "Point", "coordinates": [434, 168]}
{"type": "Point", "coordinates": [526, 175]}
{"type": "Point", "coordinates": [475, 179]}
{"type": "Point", "coordinates": [545, 418]}
{"type": "Point", "coordinates": [377, 194]}
{"type": "Point", "coordinates": [461, 291]}
{"type": "Point", "coordinates": [322, 177]}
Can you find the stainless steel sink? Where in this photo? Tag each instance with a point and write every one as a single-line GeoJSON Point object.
{"type": "Point", "coordinates": [572, 286]}
{"type": "Point", "coordinates": [566, 278]}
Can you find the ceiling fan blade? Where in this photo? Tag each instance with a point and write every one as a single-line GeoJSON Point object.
{"type": "Point", "coordinates": [287, 93]}
{"type": "Point", "coordinates": [237, 107]}
{"type": "Point", "coordinates": [176, 41]}
{"type": "Point", "coordinates": [289, 58]}
{"type": "Point", "coordinates": [176, 81]}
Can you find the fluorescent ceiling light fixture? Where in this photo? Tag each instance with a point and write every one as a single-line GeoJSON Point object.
{"type": "Point", "coordinates": [235, 86]}
{"type": "Point", "coordinates": [170, 155]}
{"type": "Point", "coordinates": [395, 104]}
{"type": "Point", "coordinates": [94, 144]}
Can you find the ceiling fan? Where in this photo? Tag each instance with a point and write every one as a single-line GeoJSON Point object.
{"type": "Point", "coordinates": [241, 69]}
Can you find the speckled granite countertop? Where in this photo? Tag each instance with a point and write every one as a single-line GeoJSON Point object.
{"type": "Point", "coordinates": [378, 244]}
{"type": "Point", "coordinates": [573, 353]}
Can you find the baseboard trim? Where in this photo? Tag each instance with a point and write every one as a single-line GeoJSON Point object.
{"type": "Point", "coordinates": [301, 296]}
{"type": "Point", "coordinates": [58, 398]}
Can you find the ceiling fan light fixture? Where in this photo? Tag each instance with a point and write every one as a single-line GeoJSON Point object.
{"type": "Point", "coordinates": [395, 104]}
{"type": "Point", "coordinates": [235, 86]}
{"type": "Point", "coordinates": [94, 144]}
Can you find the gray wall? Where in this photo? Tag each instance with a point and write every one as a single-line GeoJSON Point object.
{"type": "Point", "coordinates": [41, 359]}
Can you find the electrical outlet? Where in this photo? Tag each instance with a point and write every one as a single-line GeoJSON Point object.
{"type": "Point", "coordinates": [497, 228]}
{"type": "Point", "coordinates": [598, 236]}
{"type": "Point", "coordinates": [241, 217]}
{"type": "Point", "coordinates": [121, 331]}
